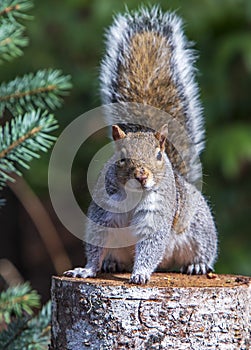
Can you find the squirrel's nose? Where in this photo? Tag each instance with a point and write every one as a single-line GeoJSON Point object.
{"type": "Point", "coordinates": [141, 178]}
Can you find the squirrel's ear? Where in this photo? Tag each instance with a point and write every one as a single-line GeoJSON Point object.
{"type": "Point", "coordinates": [117, 133]}
{"type": "Point", "coordinates": [161, 136]}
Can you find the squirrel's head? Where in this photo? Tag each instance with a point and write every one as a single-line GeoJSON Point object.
{"type": "Point", "coordinates": [141, 157]}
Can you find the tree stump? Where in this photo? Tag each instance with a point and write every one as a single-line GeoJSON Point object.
{"type": "Point", "coordinates": [172, 311]}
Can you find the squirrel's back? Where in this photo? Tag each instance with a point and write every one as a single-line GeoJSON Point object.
{"type": "Point", "coordinates": [148, 61]}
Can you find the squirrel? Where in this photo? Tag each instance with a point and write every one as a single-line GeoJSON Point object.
{"type": "Point", "coordinates": [148, 75]}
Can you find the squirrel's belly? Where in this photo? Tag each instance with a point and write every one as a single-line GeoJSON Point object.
{"type": "Point", "coordinates": [124, 257]}
{"type": "Point", "coordinates": [180, 251]}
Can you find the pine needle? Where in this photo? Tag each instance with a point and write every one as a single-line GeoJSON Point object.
{"type": "Point", "coordinates": [14, 8]}
{"type": "Point", "coordinates": [18, 301]}
{"type": "Point", "coordinates": [43, 90]}
{"type": "Point", "coordinates": [12, 40]}
{"type": "Point", "coordinates": [24, 331]}
{"type": "Point", "coordinates": [21, 139]}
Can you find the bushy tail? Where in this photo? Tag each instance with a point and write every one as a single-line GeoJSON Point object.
{"type": "Point", "coordinates": [149, 61]}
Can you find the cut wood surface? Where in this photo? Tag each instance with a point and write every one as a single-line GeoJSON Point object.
{"type": "Point", "coordinates": [173, 311]}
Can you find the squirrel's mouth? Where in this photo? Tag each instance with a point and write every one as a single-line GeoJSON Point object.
{"type": "Point", "coordinates": [149, 184]}
{"type": "Point", "coordinates": [136, 184]}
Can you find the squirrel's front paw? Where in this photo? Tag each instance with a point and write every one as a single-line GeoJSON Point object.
{"type": "Point", "coordinates": [139, 278]}
{"type": "Point", "coordinates": [80, 272]}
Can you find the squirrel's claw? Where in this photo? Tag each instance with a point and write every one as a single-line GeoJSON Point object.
{"type": "Point", "coordinates": [196, 269]}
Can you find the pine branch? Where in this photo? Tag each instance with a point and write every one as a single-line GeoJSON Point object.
{"type": "Point", "coordinates": [24, 332]}
{"type": "Point", "coordinates": [31, 335]}
{"type": "Point", "coordinates": [37, 335]}
{"type": "Point", "coordinates": [43, 89]}
{"type": "Point", "coordinates": [11, 40]}
{"type": "Point", "coordinates": [14, 329]}
{"type": "Point", "coordinates": [22, 139]}
{"type": "Point", "coordinates": [18, 301]}
{"type": "Point", "coordinates": [14, 8]}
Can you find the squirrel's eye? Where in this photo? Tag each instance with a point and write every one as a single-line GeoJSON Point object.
{"type": "Point", "coordinates": [159, 155]}
{"type": "Point", "coordinates": [121, 161]}
{"type": "Point", "coordinates": [123, 157]}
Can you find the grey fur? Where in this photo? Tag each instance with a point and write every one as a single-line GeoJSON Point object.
{"type": "Point", "coordinates": [172, 226]}
{"type": "Point", "coordinates": [190, 246]}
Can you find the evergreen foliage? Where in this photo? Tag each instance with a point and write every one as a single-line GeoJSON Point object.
{"type": "Point", "coordinates": [26, 123]}
{"type": "Point", "coordinates": [28, 99]}
{"type": "Point", "coordinates": [12, 39]}
{"type": "Point", "coordinates": [10, 48]}
{"type": "Point", "coordinates": [20, 328]}
{"type": "Point", "coordinates": [40, 90]}
{"type": "Point", "coordinates": [21, 140]}
{"type": "Point", "coordinates": [17, 300]}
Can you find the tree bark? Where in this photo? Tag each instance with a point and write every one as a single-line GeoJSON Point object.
{"type": "Point", "coordinates": [173, 311]}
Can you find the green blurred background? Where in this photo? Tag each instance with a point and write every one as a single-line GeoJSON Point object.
{"type": "Point", "coordinates": [69, 35]}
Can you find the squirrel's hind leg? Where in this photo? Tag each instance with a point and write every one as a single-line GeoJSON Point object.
{"type": "Point", "coordinates": [196, 269]}
{"type": "Point", "coordinates": [119, 260]}
{"type": "Point", "coordinates": [199, 242]}
{"type": "Point", "coordinates": [110, 265]}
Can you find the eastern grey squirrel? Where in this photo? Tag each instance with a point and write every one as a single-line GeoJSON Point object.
{"type": "Point", "coordinates": [149, 62]}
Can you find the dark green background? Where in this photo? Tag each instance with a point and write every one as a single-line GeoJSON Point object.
{"type": "Point", "coordinates": [69, 35]}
